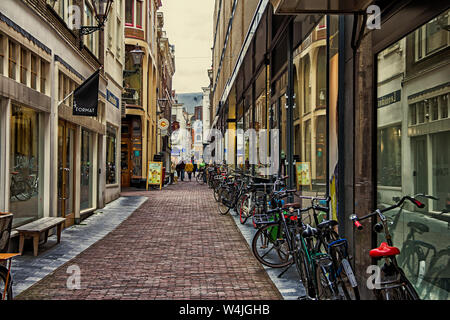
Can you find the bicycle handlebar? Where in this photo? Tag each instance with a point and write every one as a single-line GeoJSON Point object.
{"type": "Point", "coordinates": [359, 226]}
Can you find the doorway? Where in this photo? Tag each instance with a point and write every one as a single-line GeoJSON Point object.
{"type": "Point", "coordinates": [420, 165]}
{"type": "Point", "coordinates": [66, 172]}
{"type": "Point", "coordinates": [125, 156]}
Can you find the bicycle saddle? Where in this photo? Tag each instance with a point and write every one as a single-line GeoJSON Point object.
{"type": "Point", "coordinates": [418, 227]}
{"type": "Point", "coordinates": [294, 205]}
{"type": "Point", "coordinates": [309, 232]}
{"type": "Point", "coordinates": [384, 251]}
{"type": "Point", "coordinates": [327, 223]}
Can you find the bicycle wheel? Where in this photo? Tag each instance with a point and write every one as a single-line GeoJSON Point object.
{"type": "Point", "coordinates": [270, 247]}
{"type": "Point", "coordinates": [217, 190]}
{"type": "Point", "coordinates": [199, 178]}
{"type": "Point", "coordinates": [326, 288]}
{"type": "Point", "coordinates": [247, 209]}
{"type": "Point", "coordinates": [303, 268]}
{"type": "Point", "coordinates": [9, 294]}
{"type": "Point", "coordinates": [225, 196]}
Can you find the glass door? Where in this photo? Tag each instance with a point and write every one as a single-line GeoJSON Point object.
{"type": "Point", "coordinates": [66, 170]}
{"type": "Point", "coordinates": [420, 165]}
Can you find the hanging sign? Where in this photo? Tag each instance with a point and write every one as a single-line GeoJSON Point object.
{"type": "Point", "coordinates": [163, 124]}
{"type": "Point", "coordinates": [85, 97]}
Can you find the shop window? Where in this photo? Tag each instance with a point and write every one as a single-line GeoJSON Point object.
{"type": "Point", "coordinates": [306, 84]}
{"type": "Point", "coordinates": [12, 60]}
{"type": "Point", "coordinates": [111, 155]}
{"type": "Point", "coordinates": [307, 155]}
{"type": "Point", "coordinates": [414, 157]}
{"type": "Point", "coordinates": [25, 191]}
{"type": "Point", "coordinates": [321, 77]}
{"type": "Point", "coordinates": [297, 96]}
{"type": "Point", "coordinates": [86, 181]}
{"type": "Point", "coordinates": [389, 156]}
{"type": "Point", "coordinates": [321, 162]}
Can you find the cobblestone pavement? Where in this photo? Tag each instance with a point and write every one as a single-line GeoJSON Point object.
{"type": "Point", "coordinates": [28, 269]}
{"type": "Point", "coordinates": [175, 246]}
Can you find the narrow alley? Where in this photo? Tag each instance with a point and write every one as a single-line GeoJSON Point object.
{"type": "Point", "coordinates": [175, 246]}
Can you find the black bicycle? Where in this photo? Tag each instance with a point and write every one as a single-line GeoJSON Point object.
{"type": "Point", "coordinates": [391, 282]}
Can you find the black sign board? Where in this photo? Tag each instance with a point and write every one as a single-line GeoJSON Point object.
{"type": "Point", "coordinates": [390, 98]}
{"type": "Point", "coordinates": [85, 97]}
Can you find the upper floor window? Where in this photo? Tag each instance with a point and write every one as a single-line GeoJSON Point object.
{"type": "Point", "coordinates": [12, 60]}
{"type": "Point", "coordinates": [23, 66]}
{"type": "Point", "coordinates": [133, 13]}
{"type": "Point", "coordinates": [433, 36]}
{"type": "Point", "coordinates": [91, 39]}
{"type": "Point", "coordinates": [2, 53]}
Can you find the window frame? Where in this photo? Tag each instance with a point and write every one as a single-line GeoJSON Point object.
{"type": "Point", "coordinates": [127, 24]}
{"type": "Point", "coordinates": [12, 59]}
{"type": "Point", "coordinates": [141, 13]}
{"type": "Point", "coordinates": [34, 74]}
{"type": "Point", "coordinates": [2, 53]}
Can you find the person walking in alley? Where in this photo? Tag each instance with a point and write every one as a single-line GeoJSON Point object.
{"type": "Point", "coordinates": [202, 168]}
{"type": "Point", "coordinates": [195, 167]}
{"type": "Point", "coordinates": [189, 169]}
{"type": "Point", "coordinates": [182, 168]}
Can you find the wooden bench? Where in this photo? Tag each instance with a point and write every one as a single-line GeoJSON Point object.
{"type": "Point", "coordinates": [36, 228]}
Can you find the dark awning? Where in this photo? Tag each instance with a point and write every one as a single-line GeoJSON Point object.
{"type": "Point", "coordinates": [293, 7]}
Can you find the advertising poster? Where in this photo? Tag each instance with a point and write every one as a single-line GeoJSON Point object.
{"type": "Point", "coordinates": [154, 174]}
{"type": "Point", "coordinates": [303, 173]}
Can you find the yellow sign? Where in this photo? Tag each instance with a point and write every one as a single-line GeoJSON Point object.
{"type": "Point", "coordinates": [303, 174]}
{"type": "Point", "coordinates": [154, 174]}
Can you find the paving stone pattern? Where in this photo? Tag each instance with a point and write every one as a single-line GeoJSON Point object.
{"type": "Point", "coordinates": [175, 246]}
{"type": "Point", "coordinates": [28, 269]}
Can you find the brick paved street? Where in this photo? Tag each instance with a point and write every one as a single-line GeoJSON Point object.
{"type": "Point", "coordinates": [175, 246]}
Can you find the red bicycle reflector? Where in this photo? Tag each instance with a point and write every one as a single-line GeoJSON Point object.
{"type": "Point", "coordinates": [419, 204]}
{"type": "Point", "coordinates": [358, 225]}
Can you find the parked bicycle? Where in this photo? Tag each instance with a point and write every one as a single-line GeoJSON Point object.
{"type": "Point", "coordinates": [392, 284]}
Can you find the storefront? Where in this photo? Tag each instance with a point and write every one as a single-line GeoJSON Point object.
{"type": "Point", "coordinates": [413, 150]}
{"type": "Point", "coordinates": [24, 114]}
{"type": "Point", "coordinates": [363, 116]}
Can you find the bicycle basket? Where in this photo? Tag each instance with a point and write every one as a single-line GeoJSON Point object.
{"type": "Point", "coordinates": [264, 218]}
{"type": "Point", "coordinates": [5, 230]}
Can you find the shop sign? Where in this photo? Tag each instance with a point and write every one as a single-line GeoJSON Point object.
{"type": "Point", "coordinates": [389, 99]}
{"type": "Point", "coordinates": [85, 97]}
{"type": "Point", "coordinates": [163, 124]}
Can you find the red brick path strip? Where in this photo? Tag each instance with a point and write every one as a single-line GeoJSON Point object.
{"type": "Point", "coordinates": [175, 246]}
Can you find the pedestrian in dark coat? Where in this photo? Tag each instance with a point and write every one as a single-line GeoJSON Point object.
{"type": "Point", "coordinates": [182, 167]}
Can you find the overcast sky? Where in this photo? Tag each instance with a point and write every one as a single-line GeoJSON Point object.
{"type": "Point", "coordinates": [189, 24]}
